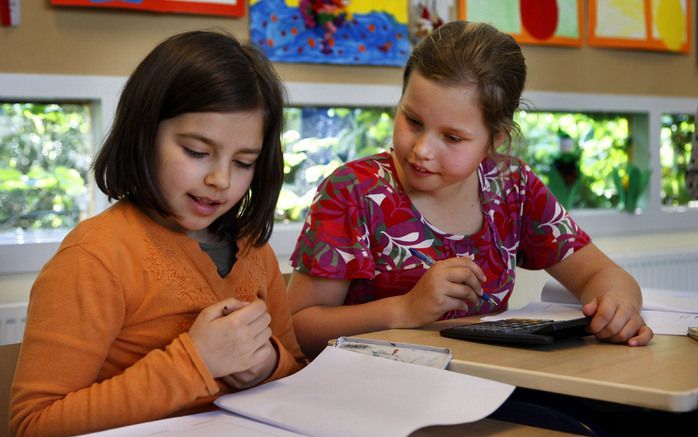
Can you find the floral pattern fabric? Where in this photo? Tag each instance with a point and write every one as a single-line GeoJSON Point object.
{"type": "Point", "coordinates": [361, 226]}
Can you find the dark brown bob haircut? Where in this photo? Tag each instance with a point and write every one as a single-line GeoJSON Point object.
{"type": "Point", "coordinates": [200, 71]}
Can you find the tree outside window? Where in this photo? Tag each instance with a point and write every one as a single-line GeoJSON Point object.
{"type": "Point", "coordinates": [575, 154]}
{"type": "Point", "coordinates": [45, 154]}
{"type": "Point", "coordinates": [319, 139]}
{"type": "Point", "coordinates": [675, 153]}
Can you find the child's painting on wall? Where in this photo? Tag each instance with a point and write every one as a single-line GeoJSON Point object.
{"type": "Point", "coordinates": [427, 15]}
{"type": "Point", "coordinates": [231, 8]}
{"type": "Point", "coordinates": [347, 32]}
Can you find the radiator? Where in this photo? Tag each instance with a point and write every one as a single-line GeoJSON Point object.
{"type": "Point", "coordinates": [13, 317]}
{"type": "Point", "coordinates": [671, 270]}
{"type": "Point", "coordinates": [675, 270]}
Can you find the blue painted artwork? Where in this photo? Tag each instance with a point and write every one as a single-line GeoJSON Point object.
{"type": "Point", "coordinates": [326, 32]}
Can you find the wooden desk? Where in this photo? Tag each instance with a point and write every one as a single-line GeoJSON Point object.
{"type": "Point", "coordinates": [662, 375]}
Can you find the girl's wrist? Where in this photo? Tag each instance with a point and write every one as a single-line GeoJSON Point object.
{"type": "Point", "coordinates": [397, 312]}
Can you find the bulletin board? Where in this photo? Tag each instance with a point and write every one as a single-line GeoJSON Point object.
{"type": "Point", "coordinates": [231, 8]}
{"type": "Point", "coordinates": [544, 22]}
{"type": "Point", "coordinates": [663, 25]}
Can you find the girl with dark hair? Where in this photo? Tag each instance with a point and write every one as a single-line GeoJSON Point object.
{"type": "Point", "coordinates": [448, 190]}
{"type": "Point", "coordinates": [171, 297]}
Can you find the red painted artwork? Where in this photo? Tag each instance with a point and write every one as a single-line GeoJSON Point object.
{"type": "Point", "coordinates": [231, 8]}
{"type": "Point", "coordinates": [541, 22]}
{"type": "Point", "coordinates": [539, 17]}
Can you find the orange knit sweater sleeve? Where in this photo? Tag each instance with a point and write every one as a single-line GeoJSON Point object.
{"type": "Point", "coordinates": [291, 358]}
{"type": "Point", "coordinates": [106, 343]}
{"type": "Point", "coordinates": [62, 386]}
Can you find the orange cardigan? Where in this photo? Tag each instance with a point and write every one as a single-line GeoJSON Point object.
{"type": "Point", "coordinates": [106, 340]}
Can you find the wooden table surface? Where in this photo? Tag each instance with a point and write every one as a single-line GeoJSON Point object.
{"type": "Point", "coordinates": [662, 375]}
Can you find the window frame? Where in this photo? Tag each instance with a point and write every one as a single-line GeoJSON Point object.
{"type": "Point", "coordinates": [103, 93]}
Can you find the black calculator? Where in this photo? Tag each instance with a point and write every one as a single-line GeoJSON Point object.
{"type": "Point", "coordinates": [523, 332]}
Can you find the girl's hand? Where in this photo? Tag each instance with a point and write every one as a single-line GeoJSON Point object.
{"type": "Point", "coordinates": [255, 374]}
{"type": "Point", "coordinates": [617, 321]}
{"type": "Point", "coordinates": [448, 285]}
{"type": "Point", "coordinates": [231, 336]}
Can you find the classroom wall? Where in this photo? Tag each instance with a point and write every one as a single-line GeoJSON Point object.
{"type": "Point", "coordinates": [69, 40]}
{"type": "Point", "coordinates": [79, 41]}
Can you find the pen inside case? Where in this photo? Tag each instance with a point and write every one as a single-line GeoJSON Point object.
{"type": "Point", "coordinates": [403, 352]}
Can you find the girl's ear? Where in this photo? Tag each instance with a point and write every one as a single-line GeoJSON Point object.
{"type": "Point", "coordinates": [499, 139]}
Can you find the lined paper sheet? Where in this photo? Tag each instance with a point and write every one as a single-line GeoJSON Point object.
{"type": "Point", "coordinates": [343, 393]}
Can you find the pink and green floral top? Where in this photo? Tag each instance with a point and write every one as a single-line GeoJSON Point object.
{"type": "Point", "coordinates": [361, 226]}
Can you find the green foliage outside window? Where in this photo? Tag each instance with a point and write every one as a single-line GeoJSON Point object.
{"type": "Point", "coordinates": [674, 154]}
{"type": "Point", "coordinates": [44, 162]}
{"type": "Point", "coordinates": [597, 143]}
{"type": "Point", "coordinates": [317, 141]}
{"type": "Point", "coordinates": [45, 157]}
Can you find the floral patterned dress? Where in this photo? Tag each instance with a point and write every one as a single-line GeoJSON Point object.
{"type": "Point", "coordinates": [361, 226]}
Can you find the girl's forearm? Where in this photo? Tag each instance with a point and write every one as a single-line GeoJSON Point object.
{"type": "Point", "coordinates": [315, 326]}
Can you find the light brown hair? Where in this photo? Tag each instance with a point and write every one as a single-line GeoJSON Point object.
{"type": "Point", "coordinates": [462, 53]}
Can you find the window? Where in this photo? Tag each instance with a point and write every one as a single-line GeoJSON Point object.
{"type": "Point", "coordinates": [45, 154]}
{"type": "Point", "coordinates": [582, 157]}
{"type": "Point", "coordinates": [577, 154]}
{"type": "Point", "coordinates": [638, 131]}
{"type": "Point", "coordinates": [675, 154]}
{"type": "Point", "coordinates": [319, 139]}
{"type": "Point", "coordinates": [82, 99]}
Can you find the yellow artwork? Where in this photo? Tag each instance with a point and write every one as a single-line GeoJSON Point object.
{"type": "Point", "coordinates": [663, 25]}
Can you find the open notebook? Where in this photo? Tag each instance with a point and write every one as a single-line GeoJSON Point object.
{"type": "Point", "coordinates": [344, 393]}
{"type": "Point", "coordinates": [341, 393]}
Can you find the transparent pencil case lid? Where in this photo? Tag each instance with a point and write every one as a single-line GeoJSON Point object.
{"type": "Point", "coordinates": [404, 352]}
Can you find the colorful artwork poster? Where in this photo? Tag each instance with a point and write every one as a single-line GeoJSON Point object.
{"type": "Point", "coordinates": [428, 15]}
{"type": "Point", "coordinates": [663, 25]}
{"type": "Point", "coordinates": [356, 32]}
{"type": "Point", "coordinates": [231, 8]}
{"type": "Point", "coordinates": [545, 22]}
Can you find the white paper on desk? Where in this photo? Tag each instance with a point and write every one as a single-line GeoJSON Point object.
{"type": "Point", "coordinates": [667, 312]}
{"type": "Point", "coordinates": [669, 323]}
{"type": "Point", "coordinates": [653, 299]}
{"type": "Point", "coordinates": [211, 424]}
{"type": "Point", "coordinates": [541, 310]}
{"type": "Point", "coordinates": [342, 393]}
{"type": "Point", "coordinates": [678, 301]}
{"type": "Point", "coordinates": [661, 322]}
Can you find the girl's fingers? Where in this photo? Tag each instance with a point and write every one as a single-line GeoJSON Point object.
{"type": "Point", "coordinates": [465, 263]}
{"type": "Point", "coordinates": [250, 311]}
{"type": "Point", "coordinates": [260, 323]}
{"type": "Point", "coordinates": [462, 292]}
{"type": "Point", "coordinates": [604, 314]}
{"type": "Point", "coordinates": [617, 324]}
{"type": "Point", "coordinates": [262, 338]}
{"type": "Point", "coordinates": [254, 321]}
{"type": "Point", "coordinates": [222, 308]}
{"type": "Point", "coordinates": [644, 335]}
